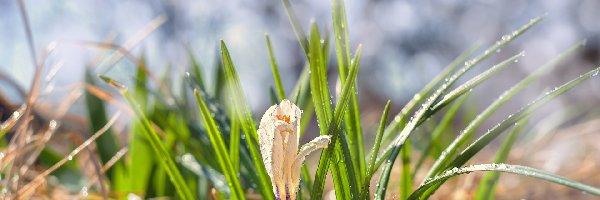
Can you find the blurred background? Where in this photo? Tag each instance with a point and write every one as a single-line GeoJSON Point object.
{"type": "Point", "coordinates": [405, 44]}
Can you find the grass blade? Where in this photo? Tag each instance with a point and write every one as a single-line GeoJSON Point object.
{"type": "Point", "coordinates": [514, 169]}
{"type": "Point", "coordinates": [334, 127]}
{"type": "Point", "coordinates": [487, 185]}
{"type": "Point", "coordinates": [470, 84]}
{"type": "Point", "coordinates": [486, 138]}
{"type": "Point", "coordinates": [234, 144]}
{"type": "Point", "coordinates": [405, 175]}
{"type": "Point", "coordinates": [308, 184]}
{"type": "Point", "coordinates": [401, 117]}
{"type": "Point", "coordinates": [423, 112]}
{"type": "Point", "coordinates": [445, 157]}
{"type": "Point", "coordinates": [490, 135]}
{"type": "Point", "coordinates": [399, 120]}
{"type": "Point", "coordinates": [275, 70]}
{"type": "Point", "coordinates": [318, 81]}
{"type": "Point", "coordinates": [106, 143]}
{"type": "Point", "coordinates": [321, 98]}
{"type": "Point", "coordinates": [161, 151]}
{"type": "Point", "coordinates": [244, 116]}
{"type": "Point", "coordinates": [352, 117]}
{"type": "Point", "coordinates": [197, 69]}
{"type": "Point", "coordinates": [371, 166]}
{"type": "Point", "coordinates": [439, 129]}
{"type": "Point", "coordinates": [220, 149]}
{"type": "Point", "coordinates": [220, 79]}
{"type": "Point", "coordinates": [300, 35]}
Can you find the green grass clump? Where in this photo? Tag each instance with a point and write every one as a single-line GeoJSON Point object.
{"type": "Point", "coordinates": [207, 146]}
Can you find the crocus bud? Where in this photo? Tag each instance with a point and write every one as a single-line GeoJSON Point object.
{"type": "Point", "coordinates": [279, 136]}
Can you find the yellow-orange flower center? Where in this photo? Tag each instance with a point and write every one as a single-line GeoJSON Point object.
{"type": "Point", "coordinates": [285, 118]}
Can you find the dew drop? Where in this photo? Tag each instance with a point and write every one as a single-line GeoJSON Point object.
{"type": "Point", "coordinates": [516, 61]}
{"type": "Point", "coordinates": [498, 50]}
{"type": "Point", "coordinates": [70, 158]}
{"type": "Point", "coordinates": [595, 73]}
{"type": "Point", "coordinates": [84, 191]}
{"type": "Point", "coordinates": [52, 124]}
{"type": "Point", "coordinates": [501, 166]}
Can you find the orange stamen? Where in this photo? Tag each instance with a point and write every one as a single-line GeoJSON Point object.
{"type": "Point", "coordinates": [285, 118]}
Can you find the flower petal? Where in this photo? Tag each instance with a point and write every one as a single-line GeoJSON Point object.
{"type": "Point", "coordinates": [317, 143]}
{"type": "Point", "coordinates": [266, 134]}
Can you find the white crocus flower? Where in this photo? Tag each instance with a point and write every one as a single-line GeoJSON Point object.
{"type": "Point", "coordinates": [279, 134]}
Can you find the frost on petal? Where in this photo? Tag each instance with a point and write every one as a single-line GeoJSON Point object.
{"type": "Point", "coordinates": [277, 168]}
{"type": "Point", "coordinates": [279, 137]}
{"type": "Point", "coordinates": [266, 134]}
{"type": "Point", "coordinates": [317, 143]}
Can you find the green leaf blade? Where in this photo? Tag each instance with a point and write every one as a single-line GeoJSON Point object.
{"type": "Point", "coordinates": [445, 157]}
{"type": "Point", "coordinates": [275, 70]}
{"type": "Point", "coordinates": [374, 151]}
{"type": "Point", "coordinates": [160, 150]}
{"type": "Point", "coordinates": [244, 116]}
{"type": "Point", "coordinates": [334, 131]}
{"type": "Point", "coordinates": [219, 145]}
{"type": "Point", "coordinates": [487, 185]}
{"type": "Point", "coordinates": [514, 169]}
{"type": "Point", "coordinates": [492, 133]}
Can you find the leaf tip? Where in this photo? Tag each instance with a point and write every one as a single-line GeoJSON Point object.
{"type": "Point", "coordinates": [112, 82]}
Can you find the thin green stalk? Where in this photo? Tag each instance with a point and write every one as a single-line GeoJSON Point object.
{"type": "Point", "coordinates": [492, 133]}
{"type": "Point", "coordinates": [333, 128]}
{"type": "Point", "coordinates": [221, 151]}
{"type": "Point", "coordinates": [406, 180]}
{"type": "Point", "coordinates": [234, 144]}
{"type": "Point", "coordinates": [300, 35]}
{"type": "Point", "coordinates": [197, 69]}
{"type": "Point", "coordinates": [513, 169]}
{"type": "Point", "coordinates": [161, 151]}
{"type": "Point", "coordinates": [399, 120]}
{"type": "Point", "coordinates": [424, 112]}
{"type": "Point", "coordinates": [321, 98]}
{"type": "Point", "coordinates": [442, 127]}
{"type": "Point", "coordinates": [275, 69]}
{"type": "Point", "coordinates": [352, 117]}
{"type": "Point", "coordinates": [419, 97]}
{"type": "Point", "coordinates": [244, 116]}
{"type": "Point", "coordinates": [487, 186]}
{"type": "Point", "coordinates": [447, 154]}
{"type": "Point", "coordinates": [376, 144]}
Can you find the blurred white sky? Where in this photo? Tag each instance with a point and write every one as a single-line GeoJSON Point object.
{"type": "Point", "coordinates": [405, 42]}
